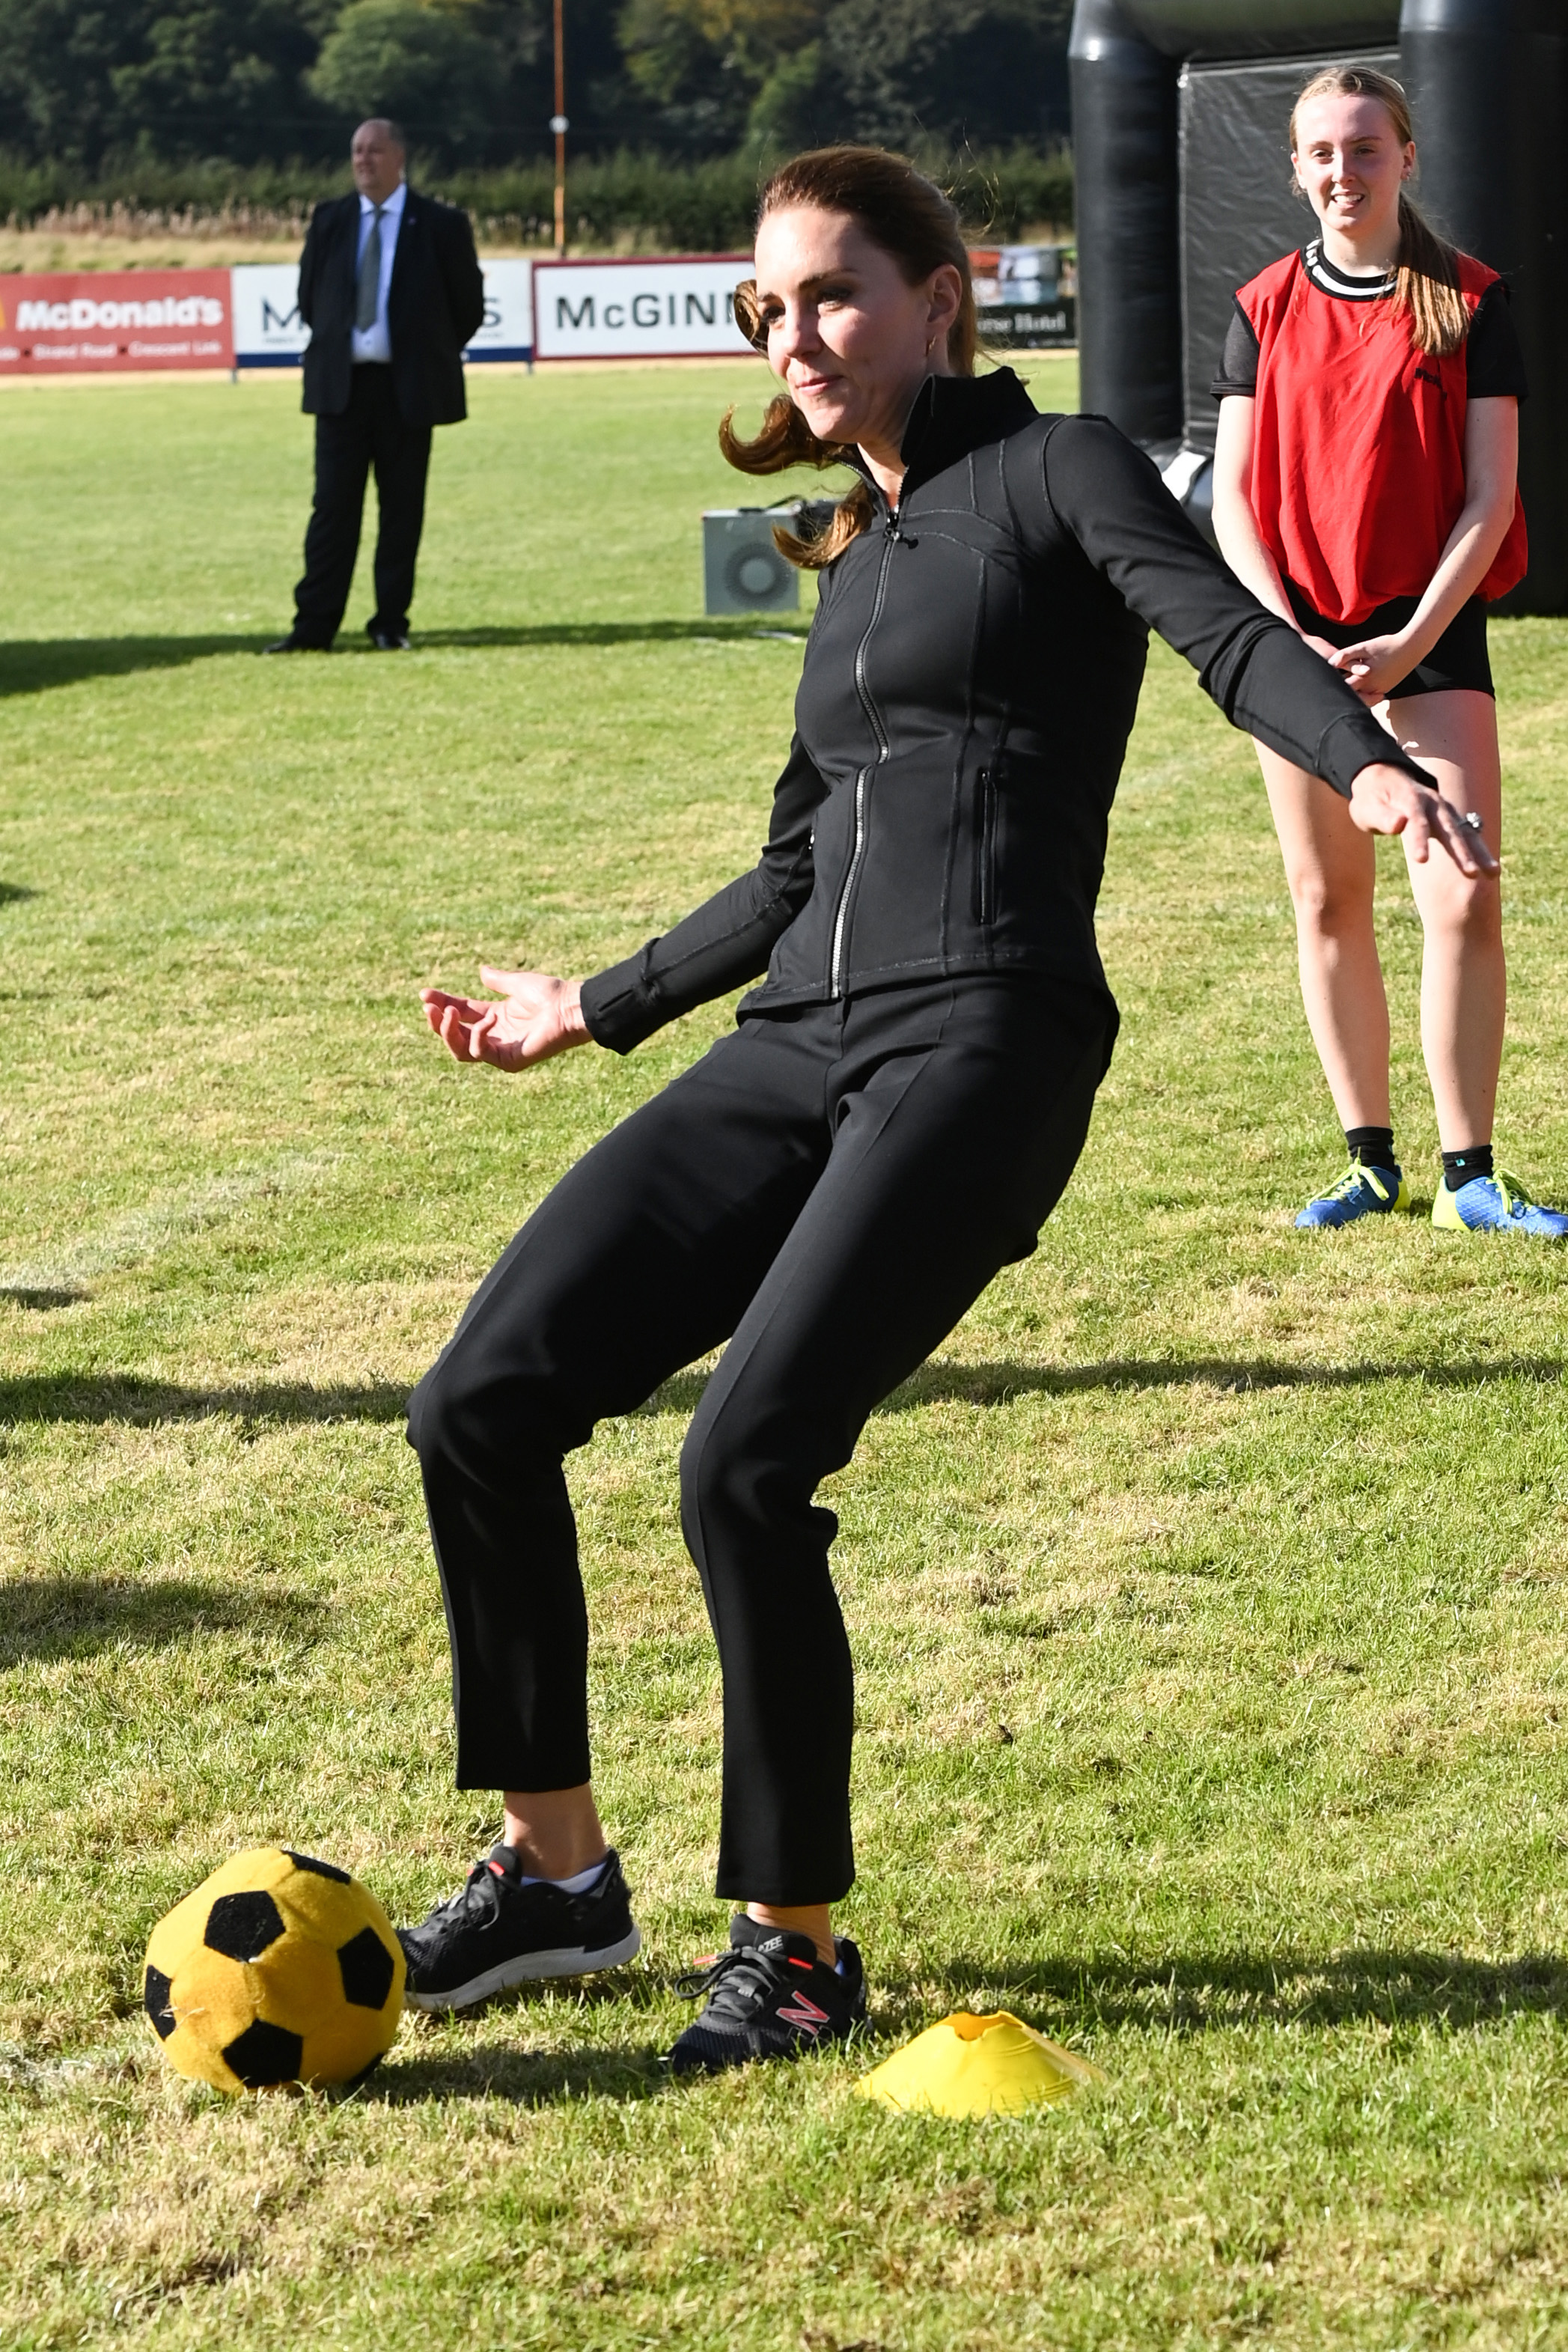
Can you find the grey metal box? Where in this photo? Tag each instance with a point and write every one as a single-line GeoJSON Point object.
{"type": "Point", "coordinates": [742, 571]}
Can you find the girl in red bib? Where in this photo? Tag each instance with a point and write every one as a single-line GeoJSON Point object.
{"type": "Point", "coordinates": [1365, 488]}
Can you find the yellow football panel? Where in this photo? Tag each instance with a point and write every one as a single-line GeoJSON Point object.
{"type": "Point", "coordinates": [260, 1867]}
{"type": "Point", "coordinates": [393, 2008]}
{"type": "Point", "coordinates": [179, 1932]}
{"type": "Point", "coordinates": [299, 1983]}
{"type": "Point", "coordinates": [191, 2055]}
{"type": "Point", "coordinates": [212, 2000]}
{"type": "Point", "coordinates": [326, 1909]}
{"type": "Point", "coordinates": [347, 2043]}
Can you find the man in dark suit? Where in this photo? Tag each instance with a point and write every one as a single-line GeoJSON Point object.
{"type": "Point", "coordinates": [390, 288]}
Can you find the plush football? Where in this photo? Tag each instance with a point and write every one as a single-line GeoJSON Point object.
{"type": "Point", "coordinates": [278, 1969]}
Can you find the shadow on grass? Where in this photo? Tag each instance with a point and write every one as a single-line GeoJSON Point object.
{"type": "Point", "coordinates": [79, 1396]}
{"type": "Point", "coordinates": [1209, 1991]}
{"type": "Point", "coordinates": [941, 1383]}
{"type": "Point", "coordinates": [109, 1397]}
{"type": "Point", "coordinates": [33, 666]}
{"type": "Point", "coordinates": [743, 630]}
{"type": "Point", "coordinates": [77, 1616]}
{"type": "Point", "coordinates": [527, 2078]}
{"type": "Point", "coordinates": [1200, 1993]}
{"type": "Point", "coordinates": [10, 892]}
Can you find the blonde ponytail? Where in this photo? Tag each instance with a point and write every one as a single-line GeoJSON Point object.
{"type": "Point", "coordinates": [1427, 285]}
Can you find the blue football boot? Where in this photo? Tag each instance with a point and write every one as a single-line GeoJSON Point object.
{"type": "Point", "coordinates": [1497, 1204]}
{"type": "Point", "coordinates": [1362, 1192]}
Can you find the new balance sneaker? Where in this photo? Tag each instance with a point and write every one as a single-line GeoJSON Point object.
{"type": "Point", "coordinates": [1362, 1192]}
{"type": "Point", "coordinates": [498, 1931]}
{"type": "Point", "coordinates": [769, 1996]}
{"type": "Point", "coordinates": [1497, 1204]}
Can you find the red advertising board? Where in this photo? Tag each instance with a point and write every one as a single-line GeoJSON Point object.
{"type": "Point", "coordinates": [101, 319]}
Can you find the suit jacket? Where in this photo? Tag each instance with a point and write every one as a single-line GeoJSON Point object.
{"type": "Point", "coordinates": [435, 306]}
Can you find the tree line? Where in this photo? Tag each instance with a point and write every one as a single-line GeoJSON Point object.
{"type": "Point", "coordinates": [263, 82]}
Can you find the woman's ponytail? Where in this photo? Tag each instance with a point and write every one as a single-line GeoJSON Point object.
{"type": "Point", "coordinates": [1427, 285]}
{"type": "Point", "coordinates": [786, 439]}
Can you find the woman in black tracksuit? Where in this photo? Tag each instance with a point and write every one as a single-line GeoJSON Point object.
{"type": "Point", "coordinates": [897, 1113]}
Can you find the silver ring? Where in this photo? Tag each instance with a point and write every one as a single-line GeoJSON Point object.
{"type": "Point", "coordinates": [1472, 820]}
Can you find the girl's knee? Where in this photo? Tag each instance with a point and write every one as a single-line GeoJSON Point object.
{"type": "Point", "coordinates": [1466, 912]}
{"type": "Point", "coordinates": [1326, 905]}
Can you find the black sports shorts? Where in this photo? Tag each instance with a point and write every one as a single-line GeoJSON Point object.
{"type": "Point", "coordinates": [1458, 660]}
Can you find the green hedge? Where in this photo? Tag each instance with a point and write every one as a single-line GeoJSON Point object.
{"type": "Point", "coordinates": [627, 198]}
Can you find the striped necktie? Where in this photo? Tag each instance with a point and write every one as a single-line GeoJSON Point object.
{"type": "Point", "coordinates": [368, 284]}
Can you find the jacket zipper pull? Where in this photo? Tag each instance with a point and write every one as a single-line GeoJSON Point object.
{"type": "Point", "coordinates": [895, 536]}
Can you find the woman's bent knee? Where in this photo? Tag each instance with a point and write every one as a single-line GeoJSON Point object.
{"type": "Point", "coordinates": [467, 1410]}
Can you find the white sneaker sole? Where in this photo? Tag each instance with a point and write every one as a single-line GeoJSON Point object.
{"type": "Point", "coordinates": [529, 1968]}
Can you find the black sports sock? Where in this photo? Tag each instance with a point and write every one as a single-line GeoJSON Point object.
{"type": "Point", "coordinates": [1459, 1166]}
{"type": "Point", "coordinates": [1370, 1147]}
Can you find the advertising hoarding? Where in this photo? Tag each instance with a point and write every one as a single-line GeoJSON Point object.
{"type": "Point", "coordinates": [84, 320]}
{"type": "Point", "coordinates": [677, 309]}
{"type": "Point", "coordinates": [269, 332]}
{"type": "Point", "coordinates": [1026, 296]}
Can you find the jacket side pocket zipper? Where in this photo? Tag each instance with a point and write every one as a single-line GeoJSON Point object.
{"type": "Point", "coordinates": [986, 849]}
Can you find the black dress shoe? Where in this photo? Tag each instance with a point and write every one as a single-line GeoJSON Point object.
{"type": "Point", "coordinates": [385, 643]}
{"type": "Point", "coordinates": [294, 644]}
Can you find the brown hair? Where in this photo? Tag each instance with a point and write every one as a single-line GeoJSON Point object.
{"type": "Point", "coordinates": [912, 220]}
{"type": "Point", "coordinates": [1427, 285]}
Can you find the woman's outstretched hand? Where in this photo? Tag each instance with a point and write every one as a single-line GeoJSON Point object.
{"type": "Point", "coordinates": [1385, 799]}
{"type": "Point", "coordinates": [537, 1015]}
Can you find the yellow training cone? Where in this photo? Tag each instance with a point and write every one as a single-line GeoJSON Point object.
{"type": "Point", "coordinates": [976, 2066]}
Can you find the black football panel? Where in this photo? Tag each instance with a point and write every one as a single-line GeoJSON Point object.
{"type": "Point", "coordinates": [242, 1926]}
{"type": "Point", "coordinates": [155, 1993]}
{"type": "Point", "coordinates": [313, 1862]}
{"type": "Point", "coordinates": [367, 1967]}
{"type": "Point", "coordinates": [265, 2054]}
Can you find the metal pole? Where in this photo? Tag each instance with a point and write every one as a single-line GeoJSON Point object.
{"type": "Point", "coordinates": [558, 125]}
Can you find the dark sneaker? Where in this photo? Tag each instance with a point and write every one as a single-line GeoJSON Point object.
{"type": "Point", "coordinates": [768, 1996]}
{"type": "Point", "coordinates": [495, 1932]}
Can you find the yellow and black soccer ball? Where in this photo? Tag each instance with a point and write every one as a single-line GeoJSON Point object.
{"type": "Point", "coordinates": [278, 1969]}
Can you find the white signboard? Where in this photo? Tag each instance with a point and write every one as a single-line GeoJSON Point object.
{"type": "Point", "coordinates": [507, 332]}
{"type": "Point", "coordinates": [639, 309]}
{"type": "Point", "coordinates": [269, 332]}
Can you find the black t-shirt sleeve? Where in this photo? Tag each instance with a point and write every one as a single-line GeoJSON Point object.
{"type": "Point", "coordinates": [1494, 364]}
{"type": "Point", "coordinates": [1239, 363]}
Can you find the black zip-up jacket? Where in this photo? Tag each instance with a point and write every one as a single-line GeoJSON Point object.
{"type": "Point", "coordinates": [969, 685]}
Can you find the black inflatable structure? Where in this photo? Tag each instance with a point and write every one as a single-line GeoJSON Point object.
{"type": "Point", "coordinates": [1179, 113]}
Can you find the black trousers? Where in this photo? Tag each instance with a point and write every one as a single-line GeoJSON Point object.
{"type": "Point", "coordinates": [829, 1189]}
{"type": "Point", "coordinates": [370, 432]}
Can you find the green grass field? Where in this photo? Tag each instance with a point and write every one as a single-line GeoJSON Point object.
{"type": "Point", "coordinates": [1255, 1544]}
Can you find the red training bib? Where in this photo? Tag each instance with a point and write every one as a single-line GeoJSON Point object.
{"type": "Point", "coordinates": [1358, 469]}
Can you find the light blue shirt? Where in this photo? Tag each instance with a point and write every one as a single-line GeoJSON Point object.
{"type": "Point", "coordinates": [374, 342]}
